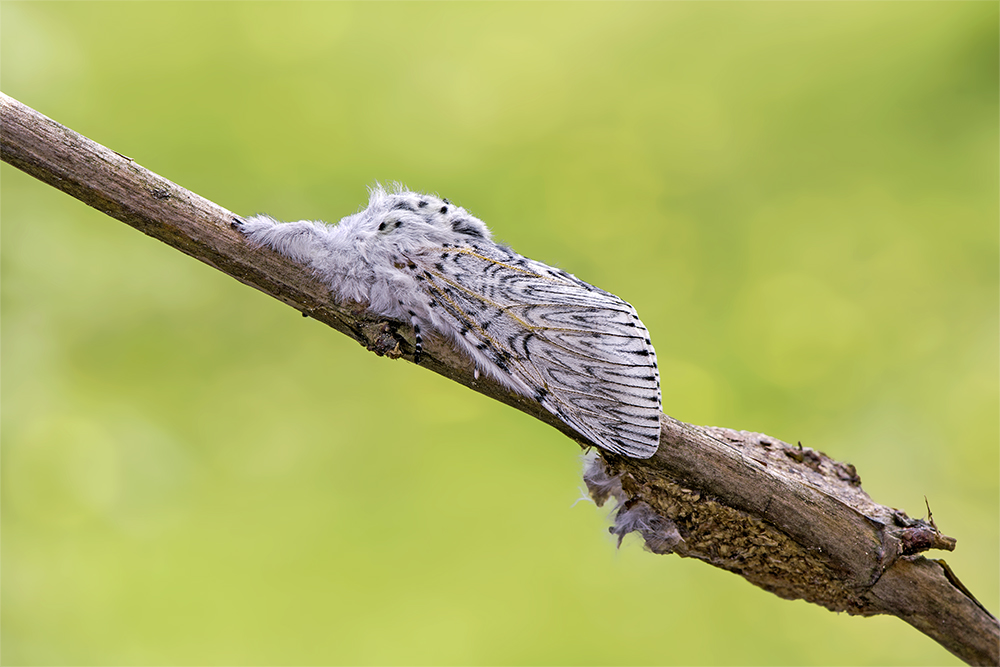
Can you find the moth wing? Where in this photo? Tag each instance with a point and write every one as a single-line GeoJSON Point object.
{"type": "Point", "coordinates": [581, 352]}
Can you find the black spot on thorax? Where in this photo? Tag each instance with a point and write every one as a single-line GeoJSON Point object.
{"type": "Point", "coordinates": [466, 227]}
{"type": "Point", "coordinates": [396, 224]}
{"type": "Point", "coordinates": [404, 205]}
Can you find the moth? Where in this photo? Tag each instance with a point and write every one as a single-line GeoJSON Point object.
{"type": "Point", "coordinates": [581, 352]}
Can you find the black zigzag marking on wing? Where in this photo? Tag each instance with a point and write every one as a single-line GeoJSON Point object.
{"type": "Point", "coordinates": [581, 352]}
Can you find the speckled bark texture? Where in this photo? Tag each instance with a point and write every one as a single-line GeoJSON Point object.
{"type": "Point", "coordinates": [786, 518]}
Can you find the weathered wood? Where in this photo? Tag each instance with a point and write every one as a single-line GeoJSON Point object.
{"type": "Point", "coordinates": [788, 519]}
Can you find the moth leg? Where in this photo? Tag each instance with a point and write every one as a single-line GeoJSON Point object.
{"type": "Point", "coordinates": [302, 241]}
{"type": "Point", "coordinates": [418, 346]}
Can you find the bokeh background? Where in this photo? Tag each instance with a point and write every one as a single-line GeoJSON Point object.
{"type": "Point", "coordinates": [801, 200]}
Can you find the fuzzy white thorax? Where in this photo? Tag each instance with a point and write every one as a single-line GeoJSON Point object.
{"type": "Point", "coordinates": [357, 258]}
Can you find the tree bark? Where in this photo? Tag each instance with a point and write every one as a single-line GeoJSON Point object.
{"type": "Point", "coordinates": [786, 518]}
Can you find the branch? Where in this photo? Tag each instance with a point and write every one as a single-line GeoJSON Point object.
{"type": "Point", "coordinates": [788, 519]}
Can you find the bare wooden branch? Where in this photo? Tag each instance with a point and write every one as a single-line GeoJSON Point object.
{"type": "Point", "coordinates": [786, 518]}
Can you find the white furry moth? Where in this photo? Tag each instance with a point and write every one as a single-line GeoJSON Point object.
{"type": "Point", "coordinates": [579, 351]}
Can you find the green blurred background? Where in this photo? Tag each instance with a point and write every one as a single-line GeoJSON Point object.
{"type": "Point", "coordinates": [801, 200]}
